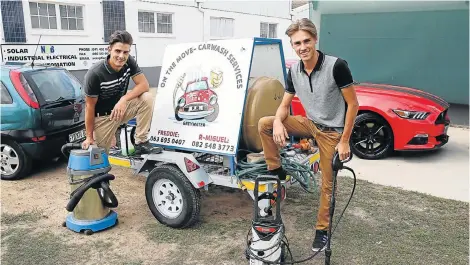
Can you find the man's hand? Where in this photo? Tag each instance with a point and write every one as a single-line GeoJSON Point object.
{"type": "Point", "coordinates": [343, 150]}
{"type": "Point", "coordinates": [88, 141]}
{"type": "Point", "coordinates": [279, 133]}
{"type": "Point", "coordinates": [119, 109]}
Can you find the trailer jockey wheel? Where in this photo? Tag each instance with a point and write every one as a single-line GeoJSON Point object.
{"type": "Point", "coordinates": [171, 197]}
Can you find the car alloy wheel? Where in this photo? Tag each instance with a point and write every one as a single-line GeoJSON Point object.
{"type": "Point", "coordinates": [15, 164]}
{"type": "Point", "coordinates": [372, 137]}
{"type": "Point", "coordinates": [10, 161]}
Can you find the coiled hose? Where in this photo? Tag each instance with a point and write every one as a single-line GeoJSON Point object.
{"type": "Point", "coordinates": [299, 172]}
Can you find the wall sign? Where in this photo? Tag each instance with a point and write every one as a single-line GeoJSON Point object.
{"type": "Point", "coordinates": [68, 56]}
{"type": "Point", "coordinates": [201, 94]}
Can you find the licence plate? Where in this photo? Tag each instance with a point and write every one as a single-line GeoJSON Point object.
{"type": "Point", "coordinates": [77, 136]}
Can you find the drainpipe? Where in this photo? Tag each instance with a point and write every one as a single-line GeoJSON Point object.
{"type": "Point", "coordinates": [199, 7]}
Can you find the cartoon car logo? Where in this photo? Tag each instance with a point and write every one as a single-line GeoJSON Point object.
{"type": "Point", "coordinates": [197, 102]}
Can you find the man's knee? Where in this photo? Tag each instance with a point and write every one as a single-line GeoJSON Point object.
{"type": "Point", "coordinates": [147, 98]}
{"type": "Point", "coordinates": [265, 123]}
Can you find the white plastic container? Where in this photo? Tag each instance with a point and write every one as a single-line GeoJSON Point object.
{"type": "Point", "coordinates": [122, 138]}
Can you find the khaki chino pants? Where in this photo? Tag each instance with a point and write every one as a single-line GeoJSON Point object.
{"type": "Point", "coordinates": [140, 108]}
{"type": "Point", "coordinates": [302, 127]}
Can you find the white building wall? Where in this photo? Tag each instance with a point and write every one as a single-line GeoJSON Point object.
{"type": "Point", "coordinates": [190, 24]}
{"type": "Point", "coordinates": [93, 25]}
{"type": "Point", "coordinates": [187, 27]}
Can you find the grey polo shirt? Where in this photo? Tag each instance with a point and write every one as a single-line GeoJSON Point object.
{"type": "Point", "coordinates": [107, 84]}
{"type": "Point", "coordinates": [320, 93]}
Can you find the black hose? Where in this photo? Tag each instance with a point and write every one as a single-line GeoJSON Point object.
{"type": "Point", "coordinates": [66, 148]}
{"type": "Point", "coordinates": [78, 193]}
{"type": "Point", "coordinates": [108, 198]}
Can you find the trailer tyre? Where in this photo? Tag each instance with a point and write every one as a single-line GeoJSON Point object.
{"type": "Point", "coordinates": [171, 197]}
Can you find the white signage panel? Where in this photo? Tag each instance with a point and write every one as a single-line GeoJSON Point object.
{"type": "Point", "coordinates": [68, 56]}
{"type": "Point", "coordinates": [201, 94]}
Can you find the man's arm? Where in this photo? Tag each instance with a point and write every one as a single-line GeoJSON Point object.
{"type": "Point", "coordinates": [283, 110]}
{"type": "Point", "coordinates": [344, 80]}
{"type": "Point", "coordinates": [141, 82]}
{"type": "Point", "coordinates": [90, 103]}
{"type": "Point", "coordinates": [141, 86]}
{"type": "Point", "coordinates": [91, 90]}
{"type": "Point", "coordinates": [349, 95]}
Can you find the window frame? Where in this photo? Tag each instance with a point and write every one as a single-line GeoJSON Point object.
{"type": "Point", "coordinates": [232, 34]}
{"type": "Point", "coordinates": [68, 18]}
{"type": "Point", "coordinates": [155, 25]}
{"type": "Point", "coordinates": [268, 29]}
{"type": "Point", "coordinates": [58, 19]}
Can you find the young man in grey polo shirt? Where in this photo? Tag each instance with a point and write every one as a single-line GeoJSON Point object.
{"type": "Point", "coordinates": [325, 88]}
{"type": "Point", "coordinates": [107, 102]}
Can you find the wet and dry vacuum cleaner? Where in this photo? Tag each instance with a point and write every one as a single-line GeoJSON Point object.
{"type": "Point", "coordinates": [91, 197]}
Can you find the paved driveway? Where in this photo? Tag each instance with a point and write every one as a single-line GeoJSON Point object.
{"type": "Point", "coordinates": [443, 173]}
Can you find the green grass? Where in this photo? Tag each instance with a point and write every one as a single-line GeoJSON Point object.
{"type": "Point", "coordinates": [25, 217]}
{"type": "Point", "coordinates": [382, 225]}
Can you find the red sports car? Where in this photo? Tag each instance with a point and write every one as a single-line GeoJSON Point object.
{"type": "Point", "coordinates": [394, 118]}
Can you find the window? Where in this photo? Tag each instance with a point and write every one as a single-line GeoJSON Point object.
{"type": "Point", "coordinates": [43, 15]}
{"type": "Point", "coordinates": [114, 17]}
{"type": "Point", "coordinates": [56, 84]}
{"type": "Point", "coordinates": [5, 96]}
{"type": "Point", "coordinates": [268, 30]}
{"type": "Point", "coordinates": [146, 22]}
{"type": "Point", "coordinates": [164, 23]}
{"type": "Point", "coordinates": [71, 17]}
{"type": "Point", "coordinates": [13, 21]}
{"type": "Point", "coordinates": [221, 27]}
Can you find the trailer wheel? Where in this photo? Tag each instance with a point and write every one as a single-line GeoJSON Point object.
{"type": "Point", "coordinates": [172, 199]}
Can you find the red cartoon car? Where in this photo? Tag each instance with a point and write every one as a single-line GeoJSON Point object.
{"type": "Point", "coordinates": [198, 102]}
{"type": "Point", "coordinates": [394, 118]}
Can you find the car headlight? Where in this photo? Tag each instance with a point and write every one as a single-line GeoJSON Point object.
{"type": "Point", "coordinates": [213, 100]}
{"type": "Point", "coordinates": [410, 114]}
{"type": "Point", "coordinates": [181, 102]}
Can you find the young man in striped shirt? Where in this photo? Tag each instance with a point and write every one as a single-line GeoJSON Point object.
{"type": "Point", "coordinates": [108, 105]}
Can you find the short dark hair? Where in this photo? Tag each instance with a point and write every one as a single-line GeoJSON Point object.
{"type": "Point", "coordinates": [121, 36]}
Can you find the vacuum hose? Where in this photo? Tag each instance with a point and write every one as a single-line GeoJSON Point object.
{"type": "Point", "coordinates": [100, 181]}
{"type": "Point", "coordinates": [66, 148]}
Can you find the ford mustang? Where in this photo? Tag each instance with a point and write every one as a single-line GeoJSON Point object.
{"type": "Point", "coordinates": [394, 118]}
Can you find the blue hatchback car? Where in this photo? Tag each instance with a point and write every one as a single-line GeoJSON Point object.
{"type": "Point", "coordinates": [41, 108]}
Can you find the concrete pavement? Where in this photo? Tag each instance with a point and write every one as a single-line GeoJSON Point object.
{"type": "Point", "coordinates": [443, 172]}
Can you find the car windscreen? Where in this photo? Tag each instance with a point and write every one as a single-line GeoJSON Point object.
{"type": "Point", "coordinates": [55, 85]}
{"type": "Point", "coordinates": [199, 85]}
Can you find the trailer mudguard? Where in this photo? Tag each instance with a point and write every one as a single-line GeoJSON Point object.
{"type": "Point", "coordinates": [185, 162]}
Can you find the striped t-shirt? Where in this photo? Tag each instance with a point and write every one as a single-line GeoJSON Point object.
{"type": "Point", "coordinates": [107, 84]}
